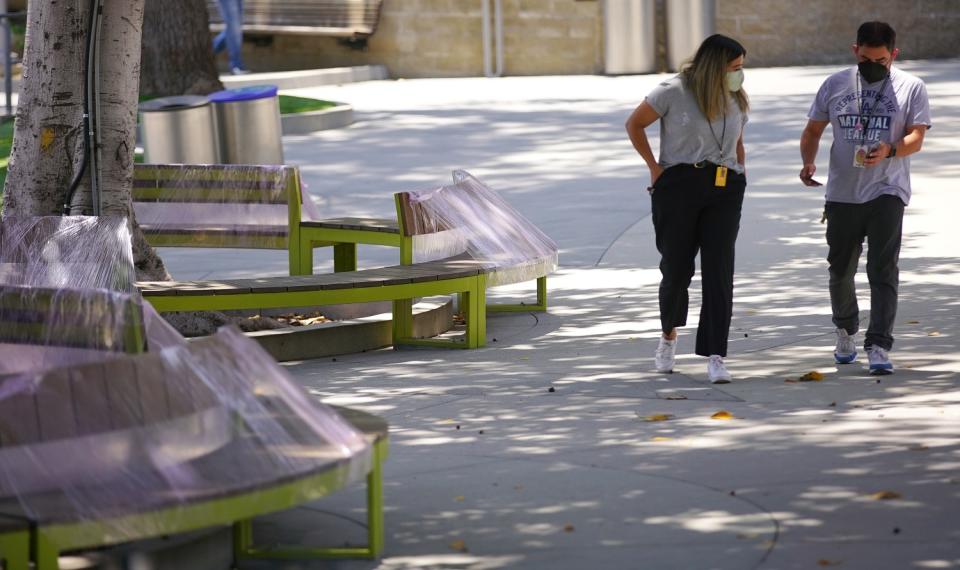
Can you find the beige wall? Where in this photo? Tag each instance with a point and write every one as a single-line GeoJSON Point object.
{"type": "Point", "coordinates": [788, 32]}
{"type": "Point", "coordinates": [442, 38]}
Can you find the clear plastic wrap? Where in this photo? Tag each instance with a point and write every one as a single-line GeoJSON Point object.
{"type": "Point", "coordinates": [469, 216]}
{"type": "Point", "coordinates": [217, 205]}
{"type": "Point", "coordinates": [144, 436]}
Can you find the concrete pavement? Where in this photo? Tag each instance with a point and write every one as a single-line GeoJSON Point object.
{"type": "Point", "coordinates": [536, 452]}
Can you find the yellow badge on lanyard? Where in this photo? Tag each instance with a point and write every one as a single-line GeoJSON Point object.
{"type": "Point", "coordinates": [721, 180]}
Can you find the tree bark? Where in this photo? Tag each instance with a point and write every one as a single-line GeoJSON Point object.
{"type": "Point", "coordinates": [177, 52]}
{"type": "Point", "coordinates": [49, 136]}
{"type": "Point", "coordinates": [48, 131]}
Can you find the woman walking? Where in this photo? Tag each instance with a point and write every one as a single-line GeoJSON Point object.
{"type": "Point", "coordinates": [697, 192]}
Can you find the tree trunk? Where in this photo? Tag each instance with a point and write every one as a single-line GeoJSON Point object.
{"type": "Point", "coordinates": [177, 52]}
{"type": "Point", "coordinates": [48, 137]}
{"type": "Point", "coordinates": [48, 132]}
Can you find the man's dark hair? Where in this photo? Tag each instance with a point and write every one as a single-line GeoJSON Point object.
{"type": "Point", "coordinates": [876, 34]}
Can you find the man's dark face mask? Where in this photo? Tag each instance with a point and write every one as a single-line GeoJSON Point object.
{"type": "Point", "coordinates": [872, 71]}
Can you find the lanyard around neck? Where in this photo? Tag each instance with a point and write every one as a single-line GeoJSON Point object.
{"type": "Point", "coordinates": [864, 113]}
{"type": "Point", "coordinates": [723, 133]}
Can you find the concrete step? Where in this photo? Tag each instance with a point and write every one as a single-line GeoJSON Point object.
{"type": "Point", "coordinates": [302, 78]}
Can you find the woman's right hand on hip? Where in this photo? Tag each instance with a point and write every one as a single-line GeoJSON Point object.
{"type": "Point", "coordinates": [655, 172]}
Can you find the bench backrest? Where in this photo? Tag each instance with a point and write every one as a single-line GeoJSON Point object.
{"type": "Point", "coordinates": [89, 319]}
{"type": "Point", "coordinates": [423, 233]}
{"type": "Point", "coordinates": [98, 397]}
{"type": "Point", "coordinates": [214, 205]}
{"type": "Point", "coordinates": [468, 216]}
{"type": "Point", "coordinates": [347, 18]}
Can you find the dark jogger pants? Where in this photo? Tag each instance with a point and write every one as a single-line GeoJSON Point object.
{"type": "Point", "coordinates": [880, 221]}
{"type": "Point", "coordinates": [691, 214]}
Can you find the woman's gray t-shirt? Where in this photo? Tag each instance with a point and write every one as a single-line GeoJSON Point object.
{"type": "Point", "coordinates": [685, 135]}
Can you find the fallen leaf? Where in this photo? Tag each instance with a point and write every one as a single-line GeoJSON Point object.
{"type": "Point", "coordinates": [459, 498]}
{"type": "Point", "coordinates": [913, 322]}
{"type": "Point", "coordinates": [447, 421]}
{"type": "Point", "coordinates": [722, 415]}
{"type": "Point", "coordinates": [811, 377]}
{"type": "Point", "coordinates": [661, 438]}
{"type": "Point", "coordinates": [832, 405]}
{"type": "Point", "coordinates": [458, 545]}
{"type": "Point", "coordinates": [657, 417]}
{"type": "Point", "coordinates": [675, 397]}
{"type": "Point", "coordinates": [568, 528]}
{"type": "Point", "coordinates": [825, 562]}
{"type": "Point", "coordinates": [885, 495]}
{"type": "Point", "coordinates": [933, 333]}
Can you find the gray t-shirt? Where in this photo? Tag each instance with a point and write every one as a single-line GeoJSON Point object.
{"type": "Point", "coordinates": [685, 135]}
{"type": "Point", "coordinates": [861, 115]}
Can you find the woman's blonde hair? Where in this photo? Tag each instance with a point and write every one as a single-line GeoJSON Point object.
{"type": "Point", "coordinates": [705, 76]}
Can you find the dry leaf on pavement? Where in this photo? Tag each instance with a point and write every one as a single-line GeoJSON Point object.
{"type": "Point", "coordinates": [722, 415]}
{"type": "Point", "coordinates": [458, 545]}
{"type": "Point", "coordinates": [813, 376]}
{"type": "Point", "coordinates": [656, 417]}
{"type": "Point", "coordinates": [885, 495]}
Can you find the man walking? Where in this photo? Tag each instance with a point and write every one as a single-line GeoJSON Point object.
{"type": "Point", "coordinates": [879, 116]}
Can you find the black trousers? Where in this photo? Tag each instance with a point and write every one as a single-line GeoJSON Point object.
{"type": "Point", "coordinates": [690, 214]}
{"type": "Point", "coordinates": [880, 221]}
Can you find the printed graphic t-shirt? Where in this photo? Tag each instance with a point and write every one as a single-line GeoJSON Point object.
{"type": "Point", "coordinates": [685, 134]}
{"type": "Point", "coordinates": [865, 114]}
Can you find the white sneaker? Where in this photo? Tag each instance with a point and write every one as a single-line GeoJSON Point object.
{"type": "Point", "coordinates": [665, 355]}
{"type": "Point", "coordinates": [846, 351]}
{"type": "Point", "coordinates": [716, 371]}
{"type": "Point", "coordinates": [879, 361]}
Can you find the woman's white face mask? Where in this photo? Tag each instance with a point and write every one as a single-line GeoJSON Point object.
{"type": "Point", "coordinates": [734, 80]}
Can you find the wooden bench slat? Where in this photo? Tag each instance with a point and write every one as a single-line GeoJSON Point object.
{"type": "Point", "coordinates": [151, 385]}
{"type": "Point", "coordinates": [222, 230]}
{"type": "Point", "coordinates": [200, 195]}
{"type": "Point", "coordinates": [89, 388]}
{"type": "Point", "coordinates": [19, 420]}
{"type": "Point", "coordinates": [384, 225]}
{"type": "Point", "coordinates": [123, 395]}
{"type": "Point", "coordinates": [55, 406]}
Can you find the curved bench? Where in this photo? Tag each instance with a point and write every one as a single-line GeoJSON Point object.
{"type": "Point", "coordinates": [97, 405]}
{"type": "Point", "coordinates": [459, 273]}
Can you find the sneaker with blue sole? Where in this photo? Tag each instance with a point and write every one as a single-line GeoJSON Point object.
{"type": "Point", "coordinates": [846, 350]}
{"type": "Point", "coordinates": [880, 364]}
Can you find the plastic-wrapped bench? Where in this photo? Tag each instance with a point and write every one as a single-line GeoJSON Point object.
{"type": "Point", "coordinates": [246, 206]}
{"type": "Point", "coordinates": [112, 406]}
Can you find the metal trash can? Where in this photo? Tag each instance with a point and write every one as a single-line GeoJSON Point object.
{"type": "Point", "coordinates": [249, 123]}
{"type": "Point", "coordinates": [689, 22]}
{"type": "Point", "coordinates": [179, 130]}
{"type": "Point", "coordinates": [629, 36]}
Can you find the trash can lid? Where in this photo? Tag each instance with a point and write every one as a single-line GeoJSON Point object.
{"type": "Point", "coordinates": [175, 103]}
{"type": "Point", "coordinates": [244, 93]}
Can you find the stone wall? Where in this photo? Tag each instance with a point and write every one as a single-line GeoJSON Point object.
{"type": "Point", "coordinates": [443, 38]}
{"type": "Point", "coordinates": [788, 32]}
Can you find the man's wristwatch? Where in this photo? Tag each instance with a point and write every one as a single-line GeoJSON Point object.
{"type": "Point", "coordinates": [893, 151]}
